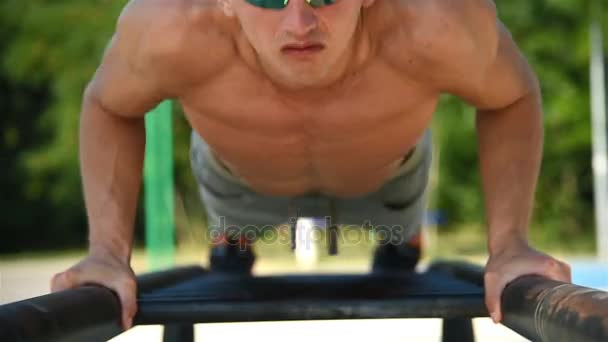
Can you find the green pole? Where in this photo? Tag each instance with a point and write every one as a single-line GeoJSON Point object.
{"type": "Point", "coordinates": [158, 188]}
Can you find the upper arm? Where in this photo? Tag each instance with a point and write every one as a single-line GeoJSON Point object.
{"type": "Point", "coordinates": [144, 62]}
{"type": "Point", "coordinates": [493, 74]}
{"type": "Point", "coordinates": [123, 84]}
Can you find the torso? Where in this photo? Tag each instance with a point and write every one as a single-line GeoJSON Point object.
{"type": "Point", "coordinates": [346, 145]}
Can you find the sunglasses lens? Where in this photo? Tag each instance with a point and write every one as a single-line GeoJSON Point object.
{"type": "Point", "coordinates": [269, 4]}
{"type": "Point", "coordinates": [320, 3]}
{"type": "Point", "coordinates": [280, 4]}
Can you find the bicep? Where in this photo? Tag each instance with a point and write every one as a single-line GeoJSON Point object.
{"type": "Point", "coordinates": [119, 87]}
{"type": "Point", "coordinates": [505, 78]}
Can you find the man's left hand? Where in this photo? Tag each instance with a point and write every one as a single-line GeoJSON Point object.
{"type": "Point", "coordinates": [513, 262]}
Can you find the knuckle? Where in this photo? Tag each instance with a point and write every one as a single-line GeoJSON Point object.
{"type": "Point", "coordinates": [550, 263]}
{"type": "Point", "coordinates": [67, 278]}
{"type": "Point", "coordinates": [128, 285]}
{"type": "Point", "coordinates": [56, 278]}
{"type": "Point", "coordinates": [129, 306]}
{"type": "Point", "coordinates": [56, 283]}
{"type": "Point", "coordinates": [131, 309]}
{"type": "Point", "coordinates": [126, 288]}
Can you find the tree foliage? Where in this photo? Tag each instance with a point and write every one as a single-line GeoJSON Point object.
{"type": "Point", "coordinates": [554, 37]}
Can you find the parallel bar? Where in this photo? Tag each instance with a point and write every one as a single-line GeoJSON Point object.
{"type": "Point", "coordinates": [460, 270]}
{"type": "Point", "coordinates": [546, 310]}
{"type": "Point", "coordinates": [218, 298]}
{"type": "Point", "coordinates": [87, 314]}
{"type": "Point", "coordinates": [535, 307]}
{"type": "Point", "coordinates": [83, 314]}
{"type": "Point", "coordinates": [196, 311]}
{"type": "Point", "coordinates": [157, 280]}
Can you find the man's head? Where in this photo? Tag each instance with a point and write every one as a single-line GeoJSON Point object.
{"type": "Point", "coordinates": [299, 43]}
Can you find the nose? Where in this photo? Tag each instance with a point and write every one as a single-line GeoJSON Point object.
{"type": "Point", "coordinates": [300, 19]}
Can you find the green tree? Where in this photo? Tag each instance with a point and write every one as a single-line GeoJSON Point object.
{"type": "Point", "coordinates": [553, 35]}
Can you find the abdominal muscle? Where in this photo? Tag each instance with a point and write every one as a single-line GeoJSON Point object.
{"type": "Point", "coordinates": [305, 180]}
{"type": "Point", "coordinates": [349, 162]}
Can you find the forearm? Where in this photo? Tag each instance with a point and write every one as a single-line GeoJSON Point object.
{"type": "Point", "coordinates": [111, 157]}
{"type": "Point", "coordinates": [510, 151]}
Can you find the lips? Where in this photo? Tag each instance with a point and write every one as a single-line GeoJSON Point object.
{"type": "Point", "coordinates": [302, 48]}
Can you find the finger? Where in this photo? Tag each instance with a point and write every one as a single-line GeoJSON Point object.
{"type": "Point", "coordinates": [63, 281]}
{"type": "Point", "coordinates": [557, 270]}
{"type": "Point", "coordinates": [492, 296]}
{"type": "Point", "coordinates": [126, 290]}
{"type": "Point", "coordinates": [562, 272]}
{"type": "Point", "coordinates": [568, 272]}
{"type": "Point", "coordinates": [56, 284]}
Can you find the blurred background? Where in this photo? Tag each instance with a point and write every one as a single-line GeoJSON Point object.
{"type": "Point", "coordinates": [50, 49]}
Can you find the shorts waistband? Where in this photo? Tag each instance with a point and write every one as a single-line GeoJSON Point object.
{"type": "Point", "coordinates": [223, 170]}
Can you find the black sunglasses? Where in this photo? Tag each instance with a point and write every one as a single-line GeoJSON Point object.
{"type": "Point", "coordinates": [280, 4]}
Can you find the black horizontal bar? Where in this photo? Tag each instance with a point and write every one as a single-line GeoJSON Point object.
{"type": "Point", "coordinates": [84, 314]}
{"type": "Point", "coordinates": [216, 298]}
{"type": "Point", "coordinates": [544, 310]}
{"type": "Point", "coordinates": [535, 307]}
{"type": "Point", "coordinates": [89, 313]}
{"type": "Point", "coordinates": [462, 270]}
{"type": "Point", "coordinates": [156, 280]}
{"type": "Point", "coordinates": [160, 312]}
{"type": "Point", "coordinates": [547, 310]}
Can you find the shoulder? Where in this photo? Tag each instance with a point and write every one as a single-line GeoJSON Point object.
{"type": "Point", "coordinates": [445, 35]}
{"type": "Point", "coordinates": [164, 35]}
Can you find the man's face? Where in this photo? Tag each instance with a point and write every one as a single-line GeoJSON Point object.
{"type": "Point", "coordinates": [300, 45]}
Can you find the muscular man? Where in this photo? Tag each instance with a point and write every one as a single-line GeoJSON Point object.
{"type": "Point", "coordinates": [311, 102]}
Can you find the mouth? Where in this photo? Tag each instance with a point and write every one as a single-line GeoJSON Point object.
{"type": "Point", "coordinates": [302, 49]}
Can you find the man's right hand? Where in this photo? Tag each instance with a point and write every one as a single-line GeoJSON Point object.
{"type": "Point", "coordinates": [105, 270]}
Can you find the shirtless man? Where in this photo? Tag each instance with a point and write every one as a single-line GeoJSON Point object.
{"type": "Point", "coordinates": [327, 98]}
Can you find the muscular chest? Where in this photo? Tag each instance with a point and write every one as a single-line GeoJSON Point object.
{"type": "Point", "coordinates": [241, 104]}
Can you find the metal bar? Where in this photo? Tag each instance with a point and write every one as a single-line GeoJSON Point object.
{"type": "Point", "coordinates": [535, 307]}
{"type": "Point", "coordinates": [217, 298]}
{"type": "Point", "coordinates": [457, 330]}
{"type": "Point", "coordinates": [547, 310]}
{"type": "Point", "coordinates": [178, 333]}
{"type": "Point", "coordinates": [158, 178]}
{"type": "Point", "coordinates": [87, 313]}
{"type": "Point", "coordinates": [199, 311]}
{"type": "Point", "coordinates": [83, 314]}
{"type": "Point", "coordinates": [460, 270]}
{"type": "Point", "coordinates": [157, 280]}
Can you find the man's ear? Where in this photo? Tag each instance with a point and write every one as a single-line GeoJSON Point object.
{"type": "Point", "coordinates": [226, 6]}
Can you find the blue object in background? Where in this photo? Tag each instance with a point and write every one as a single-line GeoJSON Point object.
{"type": "Point", "coordinates": [590, 274]}
{"type": "Point", "coordinates": [435, 217]}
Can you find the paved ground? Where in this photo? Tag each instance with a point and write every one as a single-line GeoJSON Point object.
{"type": "Point", "coordinates": [325, 331]}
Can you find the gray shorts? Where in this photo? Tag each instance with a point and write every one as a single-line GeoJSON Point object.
{"type": "Point", "coordinates": [396, 209]}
